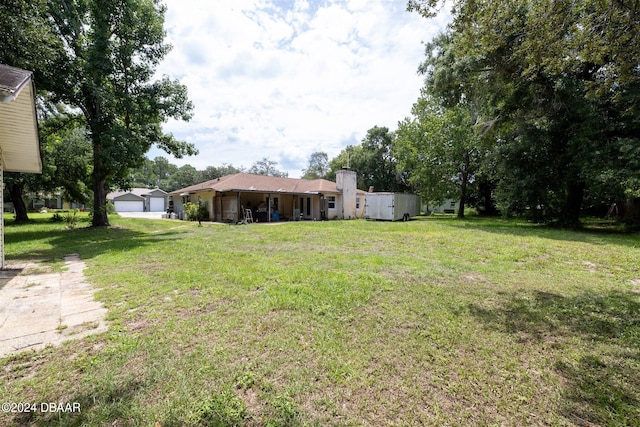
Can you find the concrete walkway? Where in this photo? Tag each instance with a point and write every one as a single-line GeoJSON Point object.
{"type": "Point", "coordinates": [38, 307]}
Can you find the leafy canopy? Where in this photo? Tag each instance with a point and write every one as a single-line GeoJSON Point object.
{"type": "Point", "coordinates": [110, 53]}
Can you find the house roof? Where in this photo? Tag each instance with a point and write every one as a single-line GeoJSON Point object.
{"type": "Point", "coordinates": [140, 192]}
{"type": "Point", "coordinates": [18, 121]}
{"type": "Point", "coordinates": [262, 184]}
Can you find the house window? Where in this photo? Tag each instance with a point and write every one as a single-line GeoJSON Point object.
{"type": "Point", "coordinates": [357, 202]}
{"type": "Point", "coordinates": [331, 200]}
{"type": "Point", "coordinates": [453, 204]}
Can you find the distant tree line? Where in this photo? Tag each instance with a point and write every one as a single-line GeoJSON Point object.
{"type": "Point", "coordinates": [162, 174]}
{"type": "Point", "coordinates": [372, 160]}
{"type": "Point", "coordinates": [528, 108]}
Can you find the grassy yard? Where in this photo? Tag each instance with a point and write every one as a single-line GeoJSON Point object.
{"type": "Point", "coordinates": [432, 322]}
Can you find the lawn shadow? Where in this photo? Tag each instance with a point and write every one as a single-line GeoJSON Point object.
{"type": "Point", "coordinates": [528, 229]}
{"type": "Point", "coordinates": [88, 242]}
{"type": "Point", "coordinates": [602, 386]}
{"type": "Point", "coordinates": [7, 275]}
{"type": "Point", "coordinates": [110, 402]}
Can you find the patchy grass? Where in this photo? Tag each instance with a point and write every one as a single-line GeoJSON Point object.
{"type": "Point", "coordinates": [431, 322]}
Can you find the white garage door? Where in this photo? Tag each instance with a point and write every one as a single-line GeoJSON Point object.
{"type": "Point", "coordinates": [156, 204]}
{"type": "Point", "coordinates": [129, 206]}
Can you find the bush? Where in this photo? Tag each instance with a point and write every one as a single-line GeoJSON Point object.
{"type": "Point", "coordinates": [57, 217]}
{"type": "Point", "coordinates": [71, 219]}
{"type": "Point", "coordinates": [194, 213]}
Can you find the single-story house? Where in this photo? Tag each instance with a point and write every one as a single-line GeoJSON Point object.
{"type": "Point", "coordinates": [139, 200]}
{"type": "Point", "coordinates": [268, 198]}
{"type": "Point", "coordinates": [19, 141]}
{"type": "Point", "coordinates": [449, 206]}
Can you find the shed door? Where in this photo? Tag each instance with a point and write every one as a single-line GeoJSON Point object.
{"type": "Point", "coordinates": [156, 204]}
{"type": "Point", "coordinates": [129, 206]}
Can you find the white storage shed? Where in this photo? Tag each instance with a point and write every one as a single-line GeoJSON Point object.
{"type": "Point", "coordinates": [391, 206]}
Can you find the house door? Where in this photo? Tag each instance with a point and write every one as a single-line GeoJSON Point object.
{"type": "Point", "coordinates": [305, 208]}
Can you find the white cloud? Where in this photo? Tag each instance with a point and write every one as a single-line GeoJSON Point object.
{"type": "Point", "coordinates": [282, 79]}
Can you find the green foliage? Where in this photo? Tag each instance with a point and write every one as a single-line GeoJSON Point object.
{"type": "Point", "coordinates": [351, 157]}
{"type": "Point", "coordinates": [318, 166]}
{"type": "Point", "coordinates": [558, 85]}
{"type": "Point", "coordinates": [224, 409]}
{"type": "Point", "coordinates": [111, 50]}
{"type": "Point", "coordinates": [373, 162]}
{"type": "Point", "coordinates": [267, 167]}
{"type": "Point", "coordinates": [56, 217]}
{"type": "Point", "coordinates": [287, 413]}
{"type": "Point", "coordinates": [184, 176]}
{"type": "Point", "coordinates": [28, 41]}
{"type": "Point", "coordinates": [196, 211]}
{"type": "Point", "coordinates": [213, 172]}
{"type": "Point", "coordinates": [441, 149]}
{"type": "Point", "coordinates": [111, 208]}
{"type": "Point", "coordinates": [71, 219]}
{"type": "Point", "coordinates": [169, 177]}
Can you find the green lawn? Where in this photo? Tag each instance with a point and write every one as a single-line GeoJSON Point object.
{"type": "Point", "coordinates": [431, 322]}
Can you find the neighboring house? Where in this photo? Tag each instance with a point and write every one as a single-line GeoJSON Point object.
{"type": "Point", "coordinates": [449, 206]}
{"type": "Point", "coordinates": [19, 142]}
{"type": "Point", "coordinates": [139, 200]}
{"type": "Point", "coordinates": [272, 198]}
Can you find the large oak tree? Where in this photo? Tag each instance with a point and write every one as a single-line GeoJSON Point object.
{"type": "Point", "coordinates": [99, 57]}
{"type": "Point", "coordinates": [110, 53]}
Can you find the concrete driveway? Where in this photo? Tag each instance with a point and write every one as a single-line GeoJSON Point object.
{"type": "Point", "coordinates": [38, 307]}
{"type": "Point", "coordinates": [148, 215]}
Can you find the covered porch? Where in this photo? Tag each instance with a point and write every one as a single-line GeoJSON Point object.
{"type": "Point", "coordinates": [267, 207]}
{"type": "Point", "coordinates": [232, 206]}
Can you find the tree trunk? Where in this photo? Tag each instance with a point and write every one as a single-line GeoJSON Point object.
{"type": "Point", "coordinates": [485, 188]}
{"type": "Point", "coordinates": [463, 185]}
{"type": "Point", "coordinates": [463, 199]}
{"type": "Point", "coordinates": [99, 215]}
{"type": "Point", "coordinates": [570, 215]}
{"type": "Point", "coordinates": [15, 191]}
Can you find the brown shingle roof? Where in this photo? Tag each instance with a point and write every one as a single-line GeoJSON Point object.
{"type": "Point", "coordinates": [140, 192]}
{"type": "Point", "coordinates": [262, 184]}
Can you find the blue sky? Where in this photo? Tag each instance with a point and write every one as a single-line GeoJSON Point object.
{"type": "Point", "coordinates": [283, 79]}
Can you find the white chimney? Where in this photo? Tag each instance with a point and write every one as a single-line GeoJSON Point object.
{"type": "Point", "coordinates": [346, 184]}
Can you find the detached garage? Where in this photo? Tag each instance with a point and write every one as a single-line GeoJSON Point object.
{"type": "Point", "coordinates": [139, 200]}
{"type": "Point", "coordinates": [129, 205]}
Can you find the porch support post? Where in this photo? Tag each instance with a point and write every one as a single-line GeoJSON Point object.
{"type": "Point", "coordinates": [269, 207]}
